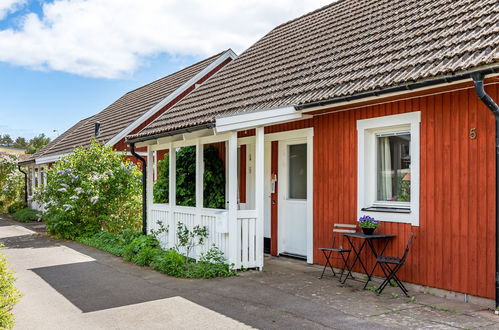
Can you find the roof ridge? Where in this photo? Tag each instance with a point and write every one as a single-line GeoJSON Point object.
{"type": "Point", "coordinates": [308, 14]}
{"type": "Point", "coordinates": [177, 72]}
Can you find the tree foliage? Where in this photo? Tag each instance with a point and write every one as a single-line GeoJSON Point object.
{"type": "Point", "coordinates": [9, 294]}
{"type": "Point", "coordinates": [89, 190]}
{"type": "Point", "coordinates": [11, 182]}
{"type": "Point", "coordinates": [31, 146]}
{"type": "Point", "coordinates": [213, 180]}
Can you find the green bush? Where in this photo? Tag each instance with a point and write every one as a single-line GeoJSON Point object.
{"type": "Point", "coordinates": [11, 182]}
{"type": "Point", "coordinates": [170, 262]}
{"type": "Point", "coordinates": [143, 245]}
{"type": "Point", "coordinates": [145, 251]}
{"type": "Point", "coordinates": [16, 206]}
{"type": "Point", "coordinates": [92, 189]}
{"type": "Point", "coordinates": [26, 215]}
{"type": "Point", "coordinates": [9, 294]}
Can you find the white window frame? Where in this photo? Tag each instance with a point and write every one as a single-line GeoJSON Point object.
{"type": "Point", "coordinates": [405, 212]}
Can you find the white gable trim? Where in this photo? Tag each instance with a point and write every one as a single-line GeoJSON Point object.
{"type": "Point", "coordinates": [228, 54]}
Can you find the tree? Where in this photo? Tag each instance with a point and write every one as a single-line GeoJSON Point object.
{"type": "Point", "coordinates": [21, 143]}
{"type": "Point", "coordinates": [6, 140]}
{"type": "Point", "coordinates": [37, 143]}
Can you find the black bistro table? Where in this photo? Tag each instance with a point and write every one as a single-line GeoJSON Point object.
{"type": "Point", "coordinates": [366, 240]}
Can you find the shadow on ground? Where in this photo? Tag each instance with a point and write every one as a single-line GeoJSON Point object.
{"type": "Point", "coordinates": [92, 286]}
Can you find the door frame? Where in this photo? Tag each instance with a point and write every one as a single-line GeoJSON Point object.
{"type": "Point", "coordinates": [305, 135]}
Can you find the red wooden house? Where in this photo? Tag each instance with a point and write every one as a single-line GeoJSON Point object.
{"type": "Point", "coordinates": [360, 107]}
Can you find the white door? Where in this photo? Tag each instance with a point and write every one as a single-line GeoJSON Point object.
{"type": "Point", "coordinates": [293, 215]}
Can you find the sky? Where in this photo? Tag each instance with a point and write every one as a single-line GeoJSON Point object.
{"type": "Point", "coordinates": [65, 60]}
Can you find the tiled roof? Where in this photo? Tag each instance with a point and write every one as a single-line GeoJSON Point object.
{"type": "Point", "coordinates": [52, 144]}
{"type": "Point", "coordinates": [124, 111]}
{"type": "Point", "coordinates": [346, 48]}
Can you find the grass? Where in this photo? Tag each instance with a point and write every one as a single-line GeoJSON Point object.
{"type": "Point", "coordinates": [144, 250]}
{"type": "Point", "coordinates": [26, 215]}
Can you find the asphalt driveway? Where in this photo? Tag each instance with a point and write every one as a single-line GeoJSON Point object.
{"type": "Point", "coordinates": [67, 285]}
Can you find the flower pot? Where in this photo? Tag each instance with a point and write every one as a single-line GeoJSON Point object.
{"type": "Point", "coordinates": [368, 231]}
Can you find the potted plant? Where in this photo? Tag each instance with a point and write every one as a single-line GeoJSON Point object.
{"type": "Point", "coordinates": [368, 224]}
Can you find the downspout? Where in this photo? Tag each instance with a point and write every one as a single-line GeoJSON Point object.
{"type": "Point", "coordinates": [144, 187]}
{"type": "Point", "coordinates": [25, 185]}
{"type": "Point", "coordinates": [489, 102]}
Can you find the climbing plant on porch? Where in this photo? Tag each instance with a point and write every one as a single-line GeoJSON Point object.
{"type": "Point", "coordinates": [213, 178]}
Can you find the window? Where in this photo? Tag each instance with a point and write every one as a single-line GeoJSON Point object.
{"type": "Point", "coordinates": [297, 171]}
{"type": "Point", "coordinates": [393, 167]}
{"type": "Point", "coordinates": [388, 167]}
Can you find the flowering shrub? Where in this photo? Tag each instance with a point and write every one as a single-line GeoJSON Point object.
{"type": "Point", "coordinates": [11, 182]}
{"type": "Point", "coordinates": [368, 222]}
{"type": "Point", "coordinates": [91, 189]}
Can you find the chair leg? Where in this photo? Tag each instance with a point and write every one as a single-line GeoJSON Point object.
{"type": "Point", "coordinates": [345, 265]}
{"type": "Point", "coordinates": [328, 263]}
{"type": "Point", "coordinates": [389, 271]}
{"type": "Point", "coordinates": [392, 275]}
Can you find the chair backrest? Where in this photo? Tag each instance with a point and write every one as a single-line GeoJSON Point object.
{"type": "Point", "coordinates": [409, 243]}
{"type": "Point", "coordinates": [341, 228]}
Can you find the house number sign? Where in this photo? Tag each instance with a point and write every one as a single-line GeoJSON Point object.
{"type": "Point", "coordinates": [473, 133]}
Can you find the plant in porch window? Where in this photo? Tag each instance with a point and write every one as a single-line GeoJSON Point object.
{"type": "Point", "coordinates": [213, 178]}
{"type": "Point", "coordinates": [368, 224]}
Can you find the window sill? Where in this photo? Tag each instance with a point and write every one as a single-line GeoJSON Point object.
{"type": "Point", "coordinates": [387, 209]}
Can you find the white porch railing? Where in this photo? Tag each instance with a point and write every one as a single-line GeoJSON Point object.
{"type": "Point", "coordinates": [247, 255]}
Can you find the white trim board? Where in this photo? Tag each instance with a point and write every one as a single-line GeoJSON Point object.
{"type": "Point", "coordinates": [228, 54]}
{"type": "Point", "coordinates": [50, 159]}
{"type": "Point", "coordinates": [247, 120]}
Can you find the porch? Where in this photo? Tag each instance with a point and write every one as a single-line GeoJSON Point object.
{"type": "Point", "coordinates": [250, 193]}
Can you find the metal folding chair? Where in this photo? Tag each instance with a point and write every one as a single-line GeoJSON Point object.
{"type": "Point", "coordinates": [338, 229]}
{"type": "Point", "coordinates": [391, 265]}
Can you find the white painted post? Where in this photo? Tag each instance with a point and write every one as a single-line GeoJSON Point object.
{"type": "Point", "coordinates": [199, 188]}
{"type": "Point", "coordinates": [259, 192]}
{"type": "Point", "coordinates": [232, 213]}
{"type": "Point", "coordinates": [172, 189]}
{"type": "Point", "coordinates": [199, 176]}
{"type": "Point", "coordinates": [150, 168]}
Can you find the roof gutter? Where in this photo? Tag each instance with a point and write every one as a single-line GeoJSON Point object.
{"type": "Point", "coordinates": [492, 105]}
{"type": "Point", "coordinates": [170, 133]}
{"type": "Point", "coordinates": [144, 187]}
{"type": "Point", "coordinates": [401, 88]}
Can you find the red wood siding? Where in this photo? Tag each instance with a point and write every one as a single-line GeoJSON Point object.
{"type": "Point", "coordinates": [242, 174]}
{"type": "Point", "coordinates": [274, 207]}
{"type": "Point", "coordinates": [454, 247]}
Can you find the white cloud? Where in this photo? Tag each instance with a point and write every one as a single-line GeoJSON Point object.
{"type": "Point", "coordinates": [8, 6]}
{"type": "Point", "coordinates": [110, 38]}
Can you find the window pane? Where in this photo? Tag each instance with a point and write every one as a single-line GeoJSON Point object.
{"type": "Point", "coordinates": [298, 171]}
{"type": "Point", "coordinates": [214, 176]}
{"type": "Point", "coordinates": [161, 184]}
{"type": "Point", "coordinates": [393, 168]}
{"type": "Point", "coordinates": [186, 176]}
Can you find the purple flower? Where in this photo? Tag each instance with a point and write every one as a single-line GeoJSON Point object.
{"type": "Point", "coordinates": [62, 190]}
{"type": "Point", "coordinates": [94, 199]}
